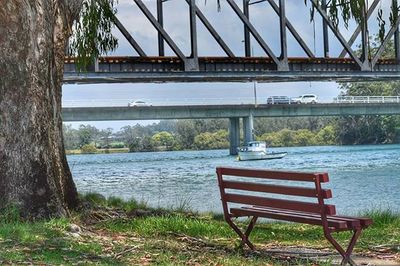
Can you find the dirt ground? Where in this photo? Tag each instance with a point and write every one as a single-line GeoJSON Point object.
{"type": "Point", "coordinates": [381, 255]}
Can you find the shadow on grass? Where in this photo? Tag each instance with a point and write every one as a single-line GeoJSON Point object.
{"type": "Point", "coordinates": [47, 243]}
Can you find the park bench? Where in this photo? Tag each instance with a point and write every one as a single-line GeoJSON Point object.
{"type": "Point", "coordinates": [246, 193]}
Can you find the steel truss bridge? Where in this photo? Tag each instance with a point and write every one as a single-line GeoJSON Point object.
{"type": "Point", "coordinates": [349, 65]}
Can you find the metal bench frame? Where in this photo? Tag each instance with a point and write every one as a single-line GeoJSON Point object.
{"type": "Point", "coordinates": [289, 210]}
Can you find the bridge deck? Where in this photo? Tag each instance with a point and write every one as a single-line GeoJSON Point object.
{"type": "Point", "coordinates": [226, 69]}
{"type": "Point", "coordinates": [226, 111]}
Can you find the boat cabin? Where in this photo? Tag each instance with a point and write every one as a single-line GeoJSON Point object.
{"type": "Point", "coordinates": [254, 146]}
{"type": "Point", "coordinates": [257, 144]}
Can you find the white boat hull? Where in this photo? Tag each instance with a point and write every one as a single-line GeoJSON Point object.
{"type": "Point", "coordinates": [260, 155]}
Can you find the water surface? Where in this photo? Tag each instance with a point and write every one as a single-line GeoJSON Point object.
{"type": "Point", "coordinates": [362, 177]}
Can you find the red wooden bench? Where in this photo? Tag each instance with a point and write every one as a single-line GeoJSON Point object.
{"type": "Point", "coordinates": [257, 204]}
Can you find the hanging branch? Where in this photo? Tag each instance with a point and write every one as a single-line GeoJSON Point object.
{"type": "Point", "coordinates": [394, 12]}
{"type": "Point", "coordinates": [381, 25]}
{"type": "Point", "coordinates": [346, 10]}
{"type": "Point", "coordinates": [92, 32]}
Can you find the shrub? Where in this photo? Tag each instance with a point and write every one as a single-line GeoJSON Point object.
{"type": "Point", "coordinates": [288, 138]}
{"type": "Point", "coordinates": [216, 140]}
{"type": "Point", "coordinates": [117, 145]}
{"type": "Point", "coordinates": [303, 137]}
{"type": "Point", "coordinates": [326, 136]}
{"type": "Point", "coordinates": [88, 148]}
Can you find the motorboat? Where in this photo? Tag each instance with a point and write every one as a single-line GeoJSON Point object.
{"type": "Point", "coordinates": [257, 150]}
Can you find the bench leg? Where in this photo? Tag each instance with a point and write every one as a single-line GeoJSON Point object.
{"type": "Point", "coordinates": [250, 228]}
{"type": "Point", "coordinates": [345, 254]}
{"type": "Point", "coordinates": [349, 250]}
{"type": "Point", "coordinates": [244, 236]}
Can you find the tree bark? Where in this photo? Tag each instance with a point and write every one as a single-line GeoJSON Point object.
{"type": "Point", "coordinates": [34, 173]}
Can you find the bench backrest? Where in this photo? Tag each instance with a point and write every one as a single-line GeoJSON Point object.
{"type": "Point", "coordinates": [315, 191]}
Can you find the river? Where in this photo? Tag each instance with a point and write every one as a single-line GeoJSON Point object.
{"type": "Point", "coordinates": [361, 177]}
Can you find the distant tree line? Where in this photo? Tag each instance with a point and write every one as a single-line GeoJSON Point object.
{"type": "Point", "coordinates": [165, 135]}
{"type": "Point", "coordinates": [213, 133]}
{"type": "Point", "coordinates": [367, 129]}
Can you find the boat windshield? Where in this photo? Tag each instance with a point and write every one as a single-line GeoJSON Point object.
{"type": "Point", "coordinates": [256, 144]}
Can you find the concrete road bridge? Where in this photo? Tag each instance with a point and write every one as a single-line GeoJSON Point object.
{"type": "Point", "coordinates": [367, 64]}
{"type": "Point", "coordinates": [235, 113]}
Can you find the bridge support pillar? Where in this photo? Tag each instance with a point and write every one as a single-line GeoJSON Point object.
{"type": "Point", "coordinates": [234, 135]}
{"type": "Point", "coordinates": [248, 128]}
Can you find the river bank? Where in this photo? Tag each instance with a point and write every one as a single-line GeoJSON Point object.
{"type": "Point", "coordinates": [113, 232]}
{"type": "Point", "coordinates": [98, 151]}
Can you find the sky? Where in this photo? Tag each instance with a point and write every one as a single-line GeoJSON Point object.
{"type": "Point", "coordinates": [231, 29]}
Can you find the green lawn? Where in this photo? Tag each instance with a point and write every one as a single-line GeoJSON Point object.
{"type": "Point", "coordinates": [114, 232]}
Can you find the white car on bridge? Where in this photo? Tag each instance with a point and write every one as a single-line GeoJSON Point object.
{"type": "Point", "coordinates": [306, 98]}
{"type": "Point", "coordinates": [138, 103]}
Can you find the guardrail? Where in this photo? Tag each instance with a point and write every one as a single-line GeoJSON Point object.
{"type": "Point", "coordinates": [367, 99]}
{"type": "Point", "coordinates": [220, 101]}
{"type": "Point", "coordinates": [160, 102]}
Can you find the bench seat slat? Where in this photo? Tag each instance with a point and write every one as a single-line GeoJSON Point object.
{"type": "Point", "coordinates": [278, 203]}
{"type": "Point", "coordinates": [279, 175]}
{"type": "Point", "coordinates": [364, 221]}
{"type": "Point", "coordinates": [277, 189]}
{"type": "Point", "coordinates": [291, 217]}
{"type": "Point", "coordinates": [352, 222]}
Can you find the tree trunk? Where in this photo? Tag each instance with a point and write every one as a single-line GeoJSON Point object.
{"type": "Point", "coordinates": [34, 174]}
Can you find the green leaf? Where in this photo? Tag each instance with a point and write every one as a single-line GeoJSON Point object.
{"type": "Point", "coordinates": [92, 32]}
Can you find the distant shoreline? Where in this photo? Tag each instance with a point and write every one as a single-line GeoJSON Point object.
{"type": "Point", "coordinates": [98, 151]}
{"type": "Point", "coordinates": [126, 150]}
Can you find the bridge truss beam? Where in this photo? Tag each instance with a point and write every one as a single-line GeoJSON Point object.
{"type": "Point", "coordinates": [269, 68]}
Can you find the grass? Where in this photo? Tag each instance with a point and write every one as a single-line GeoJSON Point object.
{"type": "Point", "coordinates": [95, 199]}
{"type": "Point", "coordinates": [116, 232]}
{"type": "Point", "coordinates": [43, 242]}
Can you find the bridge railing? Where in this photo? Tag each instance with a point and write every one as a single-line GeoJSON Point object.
{"type": "Point", "coordinates": [162, 102]}
{"type": "Point", "coordinates": [219, 101]}
{"type": "Point", "coordinates": [367, 99]}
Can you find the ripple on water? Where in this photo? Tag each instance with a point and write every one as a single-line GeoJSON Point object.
{"type": "Point", "coordinates": [361, 177]}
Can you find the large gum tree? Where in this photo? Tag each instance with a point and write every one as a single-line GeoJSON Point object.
{"type": "Point", "coordinates": [34, 174]}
